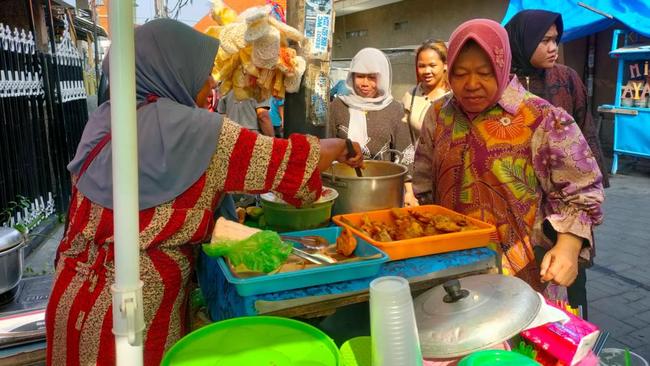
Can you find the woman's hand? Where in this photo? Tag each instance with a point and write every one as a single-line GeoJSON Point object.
{"type": "Point", "coordinates": [560, 264]}
{"type": "Point", "coordinates": [409, 196]}
{"type": "Point", "coordinates": [335, 149]}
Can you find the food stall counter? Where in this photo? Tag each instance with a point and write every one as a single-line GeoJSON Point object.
{"type": "Point", "coordinates": [423, 273]}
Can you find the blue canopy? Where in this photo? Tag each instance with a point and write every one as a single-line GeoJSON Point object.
{"type": "Point", "coordinates": [580, 22]}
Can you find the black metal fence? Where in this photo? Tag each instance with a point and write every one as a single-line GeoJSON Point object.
{"type": "Point", "coordinates": [42, 115]}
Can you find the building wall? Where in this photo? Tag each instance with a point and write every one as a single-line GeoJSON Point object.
{"type": "Point", "coordinates": [102, 15]}
{"type": "Point", "coordinates": [408, 22]}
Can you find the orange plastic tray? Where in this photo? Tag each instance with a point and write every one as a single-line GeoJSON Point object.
{"type": "Point", "coordinates": [425, 245]}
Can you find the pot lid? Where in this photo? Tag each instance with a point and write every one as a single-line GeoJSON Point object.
{"type": "Point", "coordinates": [474, 313]}
{"type": "Point", "coordinates": [327, 195]}
{"type": "Point", "coordinates": [9, 238]}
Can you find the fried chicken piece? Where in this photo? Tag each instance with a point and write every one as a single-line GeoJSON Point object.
{"type": "Point", "coordinates": [383, 236]}
{"type": "Point", "coordinates": [346, 243]}
{"type": "Point", "coordinates": [446, 224]}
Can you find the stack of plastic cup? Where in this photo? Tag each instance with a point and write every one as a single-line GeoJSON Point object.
{"type": "Point", "coordinates": [392, 323]}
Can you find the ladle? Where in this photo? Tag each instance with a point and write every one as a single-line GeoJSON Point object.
{"type": "Point", "coordinates": [351, 154]}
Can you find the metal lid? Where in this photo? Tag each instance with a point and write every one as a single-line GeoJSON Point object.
{"type": "Point", "coordinates": [9, 238]}
{"type": "Point", "coordinates": [474, 313]}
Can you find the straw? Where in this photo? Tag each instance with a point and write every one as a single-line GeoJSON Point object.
{"type": "Point", "coordinates": [628, 361]}
{"type": "Point", "coordinates": [600, 342]}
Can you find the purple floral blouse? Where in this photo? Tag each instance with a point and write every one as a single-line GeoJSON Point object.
{"type": "Point", "coordinates": [522, 165]}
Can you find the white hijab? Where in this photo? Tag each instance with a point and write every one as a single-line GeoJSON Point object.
{"type": "Point", "coordinates": [367, 61]}
{"type": "Point", "coordinates": [370, 61]}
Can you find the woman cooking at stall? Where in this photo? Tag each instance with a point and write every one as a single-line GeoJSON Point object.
{"type": "Point", "coordinates": [188, 157]}
{"type": "Point", "coordinates": [500, 154]}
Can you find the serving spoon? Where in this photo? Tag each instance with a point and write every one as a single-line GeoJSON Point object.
{"type": "Point", "coordinates": [314, 242]}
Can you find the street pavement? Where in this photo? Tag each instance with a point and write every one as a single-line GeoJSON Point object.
{"type": "Point", "coordinates": [618, 285]}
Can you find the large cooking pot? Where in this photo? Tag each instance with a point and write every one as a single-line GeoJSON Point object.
{"type": "Point", "coordinates": [380, 187]}
{"type": "Point", "coordinates": [12, 244]}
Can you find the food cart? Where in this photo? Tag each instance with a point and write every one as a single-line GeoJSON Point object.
{"type": "Point", "coordinates": [631, 105]}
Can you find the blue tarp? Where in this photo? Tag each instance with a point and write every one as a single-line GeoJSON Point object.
{"type": "Point", "coordinates": [580, 22]}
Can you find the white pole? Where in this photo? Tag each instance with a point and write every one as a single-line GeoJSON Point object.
{"type": "Point", "coordinates": [128, 322]}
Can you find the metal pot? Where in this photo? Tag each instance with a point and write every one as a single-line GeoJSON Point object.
{"type": "Point", "coordinates": [12, 244]}
{"type": "Point", "coordinates": [473, 314]}
{"type": "Point", "coordinates": [380, 187]}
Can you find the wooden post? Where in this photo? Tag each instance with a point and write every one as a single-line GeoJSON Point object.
{"type": "Point", "coordinates": [308, 110]}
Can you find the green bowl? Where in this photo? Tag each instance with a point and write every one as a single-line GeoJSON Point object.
{"type": "Point", "coordinates": [254, 340]}
{"type": "Point", "coordinates": [284, 218]}
{"type": "Point", "coordinates": [497, 358]}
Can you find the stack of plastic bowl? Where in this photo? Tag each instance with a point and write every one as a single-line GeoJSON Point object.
{"type": "Point", "coordinates": [392, 323]}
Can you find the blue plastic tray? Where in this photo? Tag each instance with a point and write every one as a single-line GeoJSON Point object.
{"type": "Point", "coordinates": [312, 276]}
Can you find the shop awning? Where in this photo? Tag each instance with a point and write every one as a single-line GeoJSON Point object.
{"type": "Point", "coordinates": [86, 26]}
{"type": "Point", "coordinates": [580, 22]}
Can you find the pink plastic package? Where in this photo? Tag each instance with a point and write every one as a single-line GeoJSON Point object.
{"type": "Point", "coordinates": [568, 343]}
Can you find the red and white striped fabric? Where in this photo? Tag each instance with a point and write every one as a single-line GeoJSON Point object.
{"type": "Point", "coordinates": [79, 313]}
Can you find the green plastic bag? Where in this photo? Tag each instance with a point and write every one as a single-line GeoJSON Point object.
{"type": "Point", "coordinates": [262, 252]}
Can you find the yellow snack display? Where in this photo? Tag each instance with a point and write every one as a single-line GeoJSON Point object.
{"type": "Point", "coordinates": [254, 60]}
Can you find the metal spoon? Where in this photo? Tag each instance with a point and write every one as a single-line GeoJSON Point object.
{"type": "Point", "coordinates": [308, 241]}
{"type": "Point", "coordinates": [316, 258]}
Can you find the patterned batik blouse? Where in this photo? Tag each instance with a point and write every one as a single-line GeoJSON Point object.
{"type": "Point", "coordinates": [522, 165]}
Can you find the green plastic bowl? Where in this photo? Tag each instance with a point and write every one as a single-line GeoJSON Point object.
{"type": "Point", "coordinates": [287, 218]}
{"type": "Point", "coordinates": [254, 340]}
{"type": "Point", "coordinates": [497, 358]}
{"type": "Point", "coordinates": [357, 352]}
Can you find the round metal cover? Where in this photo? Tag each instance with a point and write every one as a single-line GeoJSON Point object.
{"type": "Point", "coordinates": [9, 238]}
{"type": "Point", "coordinates": [483, 312]}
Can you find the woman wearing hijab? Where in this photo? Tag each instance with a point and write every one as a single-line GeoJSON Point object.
{"type": "Point", "coordinates": [368, 114]}
{"type": "Point", "coordinates": [503, 155]}
{"type": "Point", "coordinates": [534, 36]}
{"type": "Point", "coordinates": [188, 157]}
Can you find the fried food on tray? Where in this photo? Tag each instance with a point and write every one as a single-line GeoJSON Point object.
{"type": "Point", "coordinates": [412, 224]}
{"type": "Point", "coordinates": [346, 243]}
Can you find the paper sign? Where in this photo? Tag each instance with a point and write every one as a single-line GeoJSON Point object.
{"type": "Point", "coordinates": [321, 38]}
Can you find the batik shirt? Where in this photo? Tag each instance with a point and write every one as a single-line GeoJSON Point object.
{"type": "Point", "coordinates": [562, 87]}
{"type": "Point", "coordinates": [522, 165]}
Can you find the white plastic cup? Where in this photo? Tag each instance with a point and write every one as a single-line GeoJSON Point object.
{"type": "Point", "coordinates": [395, 339]}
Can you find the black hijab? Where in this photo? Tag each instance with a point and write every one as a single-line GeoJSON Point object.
{"type": "Point", "coordinates": [525, 30]}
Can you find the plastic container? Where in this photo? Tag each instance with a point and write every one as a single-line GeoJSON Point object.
{"type": "Point", "coordinates": [281, 216]}
{"type": "Point", "coordinates": [311, 276]}
{"type": "Point", "coordinates": [255, 340]}
{"type": "Point", "coordinates": [616, 357]}
{"type": "Point", "coordinates": [287, 218]}
{"type": "Point", "coordinates": [497, 358]}
{"type": "Point", "coordinates": [392, 323]}
{"type": "Point", "coordinates": [425, 245]}
{"type": "Point", "coordinates": [357, 352]}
